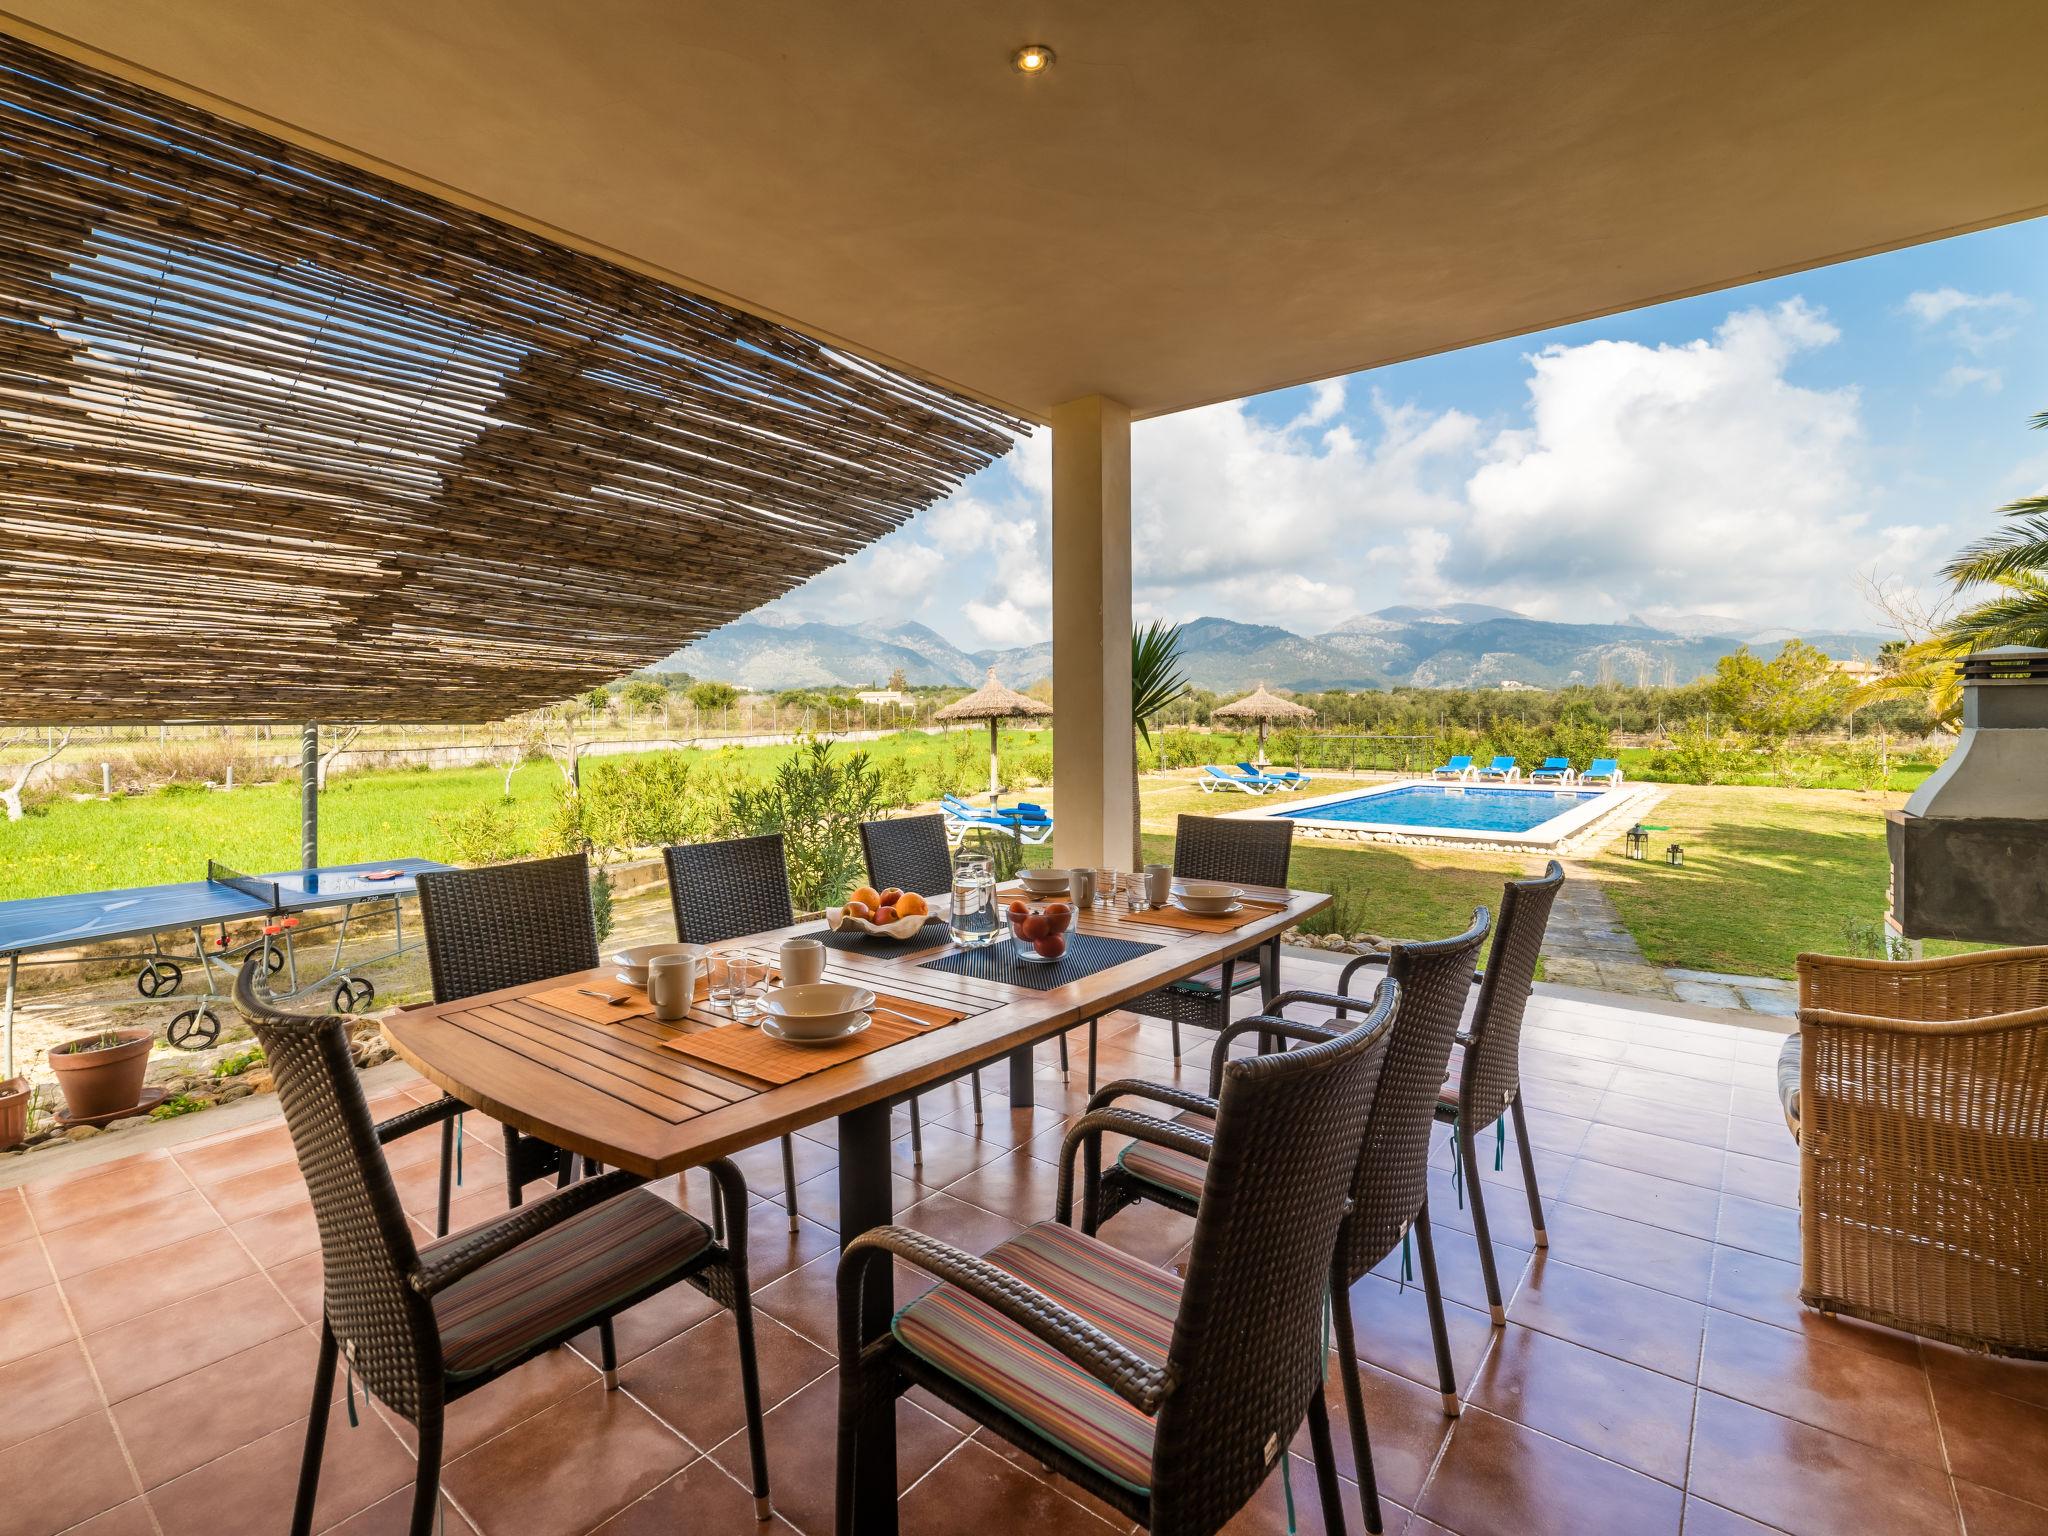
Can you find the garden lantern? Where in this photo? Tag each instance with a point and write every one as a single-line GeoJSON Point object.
{"type": "Point", "coordinates": [1674, 856]}
{"type": "Point", "coordinates": [1638, 846]}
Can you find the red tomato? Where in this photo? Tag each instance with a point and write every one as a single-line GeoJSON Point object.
{"type": "Point", "coordinates": [1034, 927]}
{"type": "Point", "coordinates": [1052, 946]}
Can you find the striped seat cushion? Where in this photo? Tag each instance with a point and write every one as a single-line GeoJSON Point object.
{"type": "Point", "coordinates": [1788, 1081]}
{"type": "Point", "coordinates": [1209, 982]}
{"type": "Point", "coordinates": [1128, 1299]}
{"type": "Point", "coordinates": [1167, 1168]}
{"type": "Point", "coordinates": [1454, 1074]}
{"type": "Point", "coordinates": [575, 1271]}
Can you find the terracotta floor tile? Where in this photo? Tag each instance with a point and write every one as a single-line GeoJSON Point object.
{"type": "Point", "coordinates": [101, 1191]}
{"type": "Point", "coordinates": [130, 1519]}
{"type": "Point", "coordinates": [1642, 1082]}
{"type": "Point", "coordinates": [162, 1277]}
{"type": "Point", "coordinates": [303, 1282]}
{"type": "Point", "coordinates": [31, 1323]}
{"type": "Point", "coordinates": [45, 1390]}
{"type": "Point", "coordinates": [1500, 1479]}
{"type": "Point", "coordinates": [87, 1245]}
{"type": "Point", "coordinates": [512, 1399]}
{"type": "Point", "coordinates": [275, 1236]}
{"type": "Point", "coordinates": [23, 1268]}
{"type": "Point", "coordinates": [1457, 1259]}
{"type": "Point", "coordinates": [701, 1497]}
{"type": "Point", "coordinates": [1987, 1513]}
{"type": "Point", "coordinates": [1507, 1211]}
{"type": "Point", "coordinates": [693, 1382]}
{"type": "Point", "coordinates": [1758, 1138]}
{"type": "Point", "coordinates": [1632, 1322]}
{"type": "Point", "coordinates": [1704, 1519]}
{"type": "Point", "coordinates": [1752, 1224]}
{"type": "Point", "coordinates": [224, 1157]}
{"type": "Point", "coordinates": [252, 1489]}
{"type": "Point", "coordinates": [967, 1227]}
{"type": "Point", "coordinates": [392, 1516]}
{"type": "Point", "coordinates": [1616, 1410]}
{"type": "Point", "coordinates": [948, 1155]}
{"type": "Point", "coordinates": [1708, 1069]}
{"type": "Point", "coordinates": [218, 1408]}
{"type": "Point", "coordinates": [1404, 1422]}
{"type": "Point", "coordinates": [1677, 1122]}
{"type": "Point", "coordinates": [802, 1437]}
{"type": "Point", "coordinates": [1851, 1392]}
{"type": "Point", "coordinates": [1016, 1185]}
{"type": "Point", "coordinates": [157, 1347]}
{"type": "Point", "coordinates": [1149, 1232]}
{"type": "Point", "coordinates": [63, 1476]}
{"type": "Point", "coordinates": [1661, 1202]}
{"type": "Point", "coordinates": [1759, 1104]}
{"type": "Point", "coordinates": [774, 1250]}
{"type": "Point", "coordinates": [652, 1323]}
{"type": "Point", "coordinates": [1754, 1285]}
{"type": "Point", "coordinates": [1996, 1441]}
{"type": "Point", "coordinates": [15, 1226]}
{"type": "Point", "coordinates": [566, 1469]}
{"type": "Point", "coordinates": [1686, 1161]}
{"type": "Point", "coordinates": [807, 1301]}
{"type": "Point", "coordinates": [1632, 1250]}
{"type": "Point", "coordinates": [1391, 1324]}
{"type": "Point", "coordinates": [2023, 1379]}
{"type": "Point", "coordinates": [974, 1492]}
{"type": "Point", "coordinates": [1759, 1178]}
{"type": "Point", "coordinates": [1808, 1482]}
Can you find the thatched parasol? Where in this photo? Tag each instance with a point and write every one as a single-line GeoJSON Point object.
{"type": "Point", "coordinates": [1265, 708]}
{"type": "Point", "coordinates": [994, 703]}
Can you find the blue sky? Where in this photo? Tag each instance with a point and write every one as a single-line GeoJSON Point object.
{"type": "Point", "coordinates": [1762, 453]}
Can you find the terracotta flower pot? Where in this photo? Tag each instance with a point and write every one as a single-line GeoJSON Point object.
{"type": "Point", "coordinates": [13, 1112]}
{"type": "Point", "coordinates": [102, 1080]}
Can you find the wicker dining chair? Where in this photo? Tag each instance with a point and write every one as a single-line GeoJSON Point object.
{"type": "Point", "coordinates": [506, 925]}
{"type": "Point", "coordinates": [1485, 1081]}
{"type": "Point", "coordinates": [1171, 1399]}
{"type": "Point", "coordinates": [1244, 853]}
{"type": "Point", "coordinates": [1923, 1145]}
{"type": "Point", "coordinates": [424, 1326]}
{"type": "Point", "coordinates": [1390, 1197]}
{"type": "Point", "coordinates": [912, 854]}
{"type": "Point", "coordinates": [731, 890]}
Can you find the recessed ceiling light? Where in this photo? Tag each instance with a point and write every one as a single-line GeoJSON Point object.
{"type": "Point", "coordinates": [1032, 59]}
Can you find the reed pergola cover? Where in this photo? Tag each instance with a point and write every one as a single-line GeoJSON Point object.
{"type": "Point", "coordinates": [994, 702]}
{"type": "Point", "coordinates": [1265, 708]}
{"type": "Point", "coordinates": [281, 440]}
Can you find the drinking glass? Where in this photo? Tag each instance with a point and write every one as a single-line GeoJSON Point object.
{"type": "Point", "coordinates": [736, 981]}
{"type": "Point", "coordinates": [974, 922]}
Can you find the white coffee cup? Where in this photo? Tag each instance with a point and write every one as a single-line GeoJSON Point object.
{"type": "Point", "coordinates": [803, 961]}
{"type": "Point", "coordinates": [672, 986]}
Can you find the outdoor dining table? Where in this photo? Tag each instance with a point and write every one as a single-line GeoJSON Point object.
{"type": "Point", "coordinates": [616, 1092]}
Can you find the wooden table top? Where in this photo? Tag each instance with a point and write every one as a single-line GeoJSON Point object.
{"type": "Point", "coordinates": [615, 1093]}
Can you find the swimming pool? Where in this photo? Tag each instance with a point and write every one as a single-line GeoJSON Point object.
{"type": "Point", "coordinates": [1522, 815]}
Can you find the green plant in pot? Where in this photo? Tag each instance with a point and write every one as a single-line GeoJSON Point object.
{"type": "Point", "coordinates": [14, 1112]}
{"type": "Point", "coordinates": [101, 1074]}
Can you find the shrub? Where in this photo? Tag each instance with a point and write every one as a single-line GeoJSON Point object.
{"type": "Point", "coordinates": [817, 802]}
{"type": "Point", "coordinates": [601, 902]}
{"type": "Point", "coordinates": [479, 834]}
{"type": "Point", "coordinates": [1003, 850]}
{"type": "Point", "coordinates": [178, 1104]}
{"type": "Point", "coordinates": [239, 1062]}
{"type": "Point", "coordinates": [1344, 916]}
{"type": "Point", "coordinates": [643, 800]}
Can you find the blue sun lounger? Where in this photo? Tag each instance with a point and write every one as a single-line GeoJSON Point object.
{"type": "Point", "coordinates": [1555, 770]}
{"type": "Point", "coordinates": [1222, 778]}
{"type": "Point", "coordinates": [1504, 768]}
{"type": "Point", "coordinates": [1030, 822]}
{"type": "Point", "coordinates": [1284, 778]}
{"type": "Point", "coordinates": [1459, 767]}
{"type": "Point", "coordinates": [1606, 769]}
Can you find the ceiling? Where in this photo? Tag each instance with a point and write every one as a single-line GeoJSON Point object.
{"type": "Point", "coordinates": [1201, 200]}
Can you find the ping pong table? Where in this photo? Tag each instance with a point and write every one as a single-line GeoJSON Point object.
{"type": "Point", "coordinates": [38, 924]}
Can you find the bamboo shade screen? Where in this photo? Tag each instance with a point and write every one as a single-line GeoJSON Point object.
{"type": "Point", "coordinates": [281, 440]}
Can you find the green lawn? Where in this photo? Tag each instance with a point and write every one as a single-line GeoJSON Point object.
{"type": "Point", "coordinates": [1768, 873]}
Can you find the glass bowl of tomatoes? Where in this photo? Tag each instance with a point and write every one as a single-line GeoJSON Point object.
{"type": "Point", "coordinates": [1040, 932]}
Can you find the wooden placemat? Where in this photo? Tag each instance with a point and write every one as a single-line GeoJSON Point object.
{"type": "Point", "coordinates": [1195, 922]}
{"type": "Point", "coordinates": [754, 1054]}
{"type": "Point", "coordinates": [571, 1001]}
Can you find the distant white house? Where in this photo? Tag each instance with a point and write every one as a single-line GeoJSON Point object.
{"type": "Point", "coordinates": [1511, 685]}
{"type": "Point", "coordinates": [889, 696]}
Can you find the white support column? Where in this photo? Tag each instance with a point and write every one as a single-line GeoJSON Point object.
{"type": "Point", "coordinates": [1091, 632]}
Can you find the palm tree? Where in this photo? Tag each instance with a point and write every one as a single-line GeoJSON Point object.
{"type": "Point", "coordinates": [1156, 682]}
{"type": "Point", "coordinates": [2016, 559]}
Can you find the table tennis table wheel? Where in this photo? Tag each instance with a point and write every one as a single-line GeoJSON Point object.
{"type": "Point", "coordinates": [193, 1030]}
{"type": "Point", "coordinates": [273, 958]}
{"type": "Point", "coordinates": [353, 995]}
{"type": "Point", "coordinates": [157, 977]}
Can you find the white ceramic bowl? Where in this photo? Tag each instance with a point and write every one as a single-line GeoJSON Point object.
{"type": "Point", "coordinates": [1044, 882]}
{"type": "Point", "coordinates": [1206, 896]}
{"type": "Point", "coordinates": [632, 963]}
{"type": "Point", "coordinates": [816, 1007]}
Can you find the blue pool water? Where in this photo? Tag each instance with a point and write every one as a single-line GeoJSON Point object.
{"type": "Point", "coordinates": [1446, 807]}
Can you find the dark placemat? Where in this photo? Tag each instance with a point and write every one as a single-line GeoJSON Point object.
{"type": "Point", "coordinates": [1086, 954]}
{"type": "Point", "coordinates": [853, 942]}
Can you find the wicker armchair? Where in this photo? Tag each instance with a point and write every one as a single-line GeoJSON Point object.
{"type": "Point", "coordinates": [1169, 1399]}
{"type": "Point", "coordinates": [1390, 1197]}
{"type": "Point", "coordinates": [1485, 1079]}
{"type": "Point", "coordinates": [507, 925]}
{"type": "Point", "coordinates": [911, 853]}
{"type": "Point", "coordinates": [1923, 1145]}
{"type": "Point", "coordinates": [1245, 853]}
{"type": "Point", "coordinates": [424, 1326]}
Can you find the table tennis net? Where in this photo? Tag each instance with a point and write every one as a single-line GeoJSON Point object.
{"type": "Point", "coordinates": [265, 891]}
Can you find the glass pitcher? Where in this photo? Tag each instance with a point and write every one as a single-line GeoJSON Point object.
{"type": "Point", "coordinates": [974, 921]}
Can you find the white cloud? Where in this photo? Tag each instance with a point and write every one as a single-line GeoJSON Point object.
{"type": "Point", "coordinates": [1931, 306]}
{"type": "Point", "coordinates": [1961, 376]}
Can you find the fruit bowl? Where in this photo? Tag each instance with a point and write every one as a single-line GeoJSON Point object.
{"type": "Point", "coordinates": [1040, 931]}
{"type": "Point", "coordinates": [890, 914]}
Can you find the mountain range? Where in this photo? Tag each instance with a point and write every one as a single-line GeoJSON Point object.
{"type": "Point", "coordinates": [1458, 645]}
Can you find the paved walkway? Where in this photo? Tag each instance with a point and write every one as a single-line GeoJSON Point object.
{"type": "Point", "coordinates": [1586, 944]}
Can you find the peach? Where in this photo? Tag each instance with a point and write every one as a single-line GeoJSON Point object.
{"type": "Point", "coordinates": [1052, 946]}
